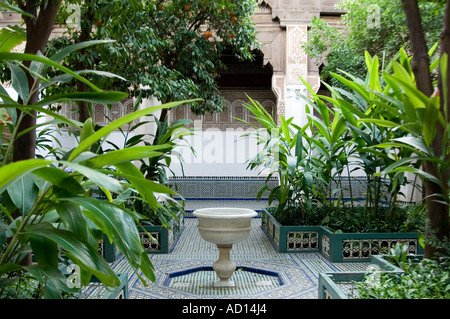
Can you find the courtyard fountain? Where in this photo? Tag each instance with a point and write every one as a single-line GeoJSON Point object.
{"type": "Point", "coordinates": [224, 227]}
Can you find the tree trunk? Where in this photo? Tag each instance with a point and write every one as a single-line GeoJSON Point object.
{"type": "Point", "coordinates": [437, 212]}
{"type": "Point", "coordinates": [38, 33]}
{"type": "Point", "coordinates": [39, 29]}
{"type": "Point", "coordinates": [420, 61]}
{"type": "Point", "coordinates": [86, 29]}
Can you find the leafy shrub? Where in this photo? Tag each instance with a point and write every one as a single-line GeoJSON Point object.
{"type": "Point", "coordinates": [429, 279]}
{"type": "Point", "coordinates": [354, 219]}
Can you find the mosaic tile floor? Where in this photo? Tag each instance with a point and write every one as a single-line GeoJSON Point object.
{"type": "Point", "coordinates": [186, 272]}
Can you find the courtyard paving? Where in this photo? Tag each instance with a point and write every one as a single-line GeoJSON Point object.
{"type": "Point", "coordinates": [186, 272]}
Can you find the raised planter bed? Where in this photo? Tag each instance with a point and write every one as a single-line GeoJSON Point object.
{"type": "Point", "coordinates": [165, 239]}
{"type": "Point", "coordinates": [342, 285]}
{"type": "Point", "coordinates": [337, 247]}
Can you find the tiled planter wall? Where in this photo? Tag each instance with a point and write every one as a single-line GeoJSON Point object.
{"type": "Point", "coordinates": [342, 285]}
{"type": "Point", "coordinates": [165, 240]}
{"type": "Point", "coordinates": [220, 187]}
{"type": "Point", "coordinates": [338, 247]}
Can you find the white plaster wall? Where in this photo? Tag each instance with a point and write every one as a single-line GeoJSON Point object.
{"type": "Point", "coordinates": [217, 153]}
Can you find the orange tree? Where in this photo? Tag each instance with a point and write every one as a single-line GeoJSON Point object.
{"type": "Point", "coordinates": [166, 49]}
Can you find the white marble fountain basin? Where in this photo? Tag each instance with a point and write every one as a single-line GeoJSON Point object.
{"type": "Point", "coordinates": [224, 227]}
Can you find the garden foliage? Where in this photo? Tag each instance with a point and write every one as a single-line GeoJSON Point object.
{"type": "Point", "coordinates": [379, 127]}
{"type": "Point", "coordinates": [47, 212]}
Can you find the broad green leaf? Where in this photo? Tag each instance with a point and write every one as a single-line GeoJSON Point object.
{"type": "Point", "coordinates": [417, 98]}
{"type": "Point", "coordinates": [429, 120]}
{"type": "Point", "coordinates": [143, 186]}
{"type": "Point", "coordinates": [60, 178]}
{"type": "Point", "coordinates": [72, 218]}
{"type": "Point", "coordinates": [10, 38]}
{"type": "Point", "coordinates": [105, 131]}
{"type": "Point", "coordinates": [95, 176]}
{"type": "Point", "coordinates": [52, 279]}
{"type": "Point", "coordinates": [299, 146]}
{"type": "Point", "coordinates": [125, 155]}
{"type": "Point", "coordinates": [45, 251]}
{"type": "Point", "coordinates": [19, 82]}
{"type": "Point", "coordinates": [415, 142]}
{"type": "Point", "coordinates": [383, 123]}
{"type": "Point", "coordinates": [31, 57]}
{"type": "Point", "coordinates": [91, 97]}
{"type": "Point", "coordinates": [352, 85]}
{"type": "Point", "coordinates": [44, 111]}
{"type": "Point", "coordinates": [424, 175]}
{"type": "Point", "coordinates": [23, 192]}
{"type": "Point", "coordinates": [285, 129]}
{"type": "Point", "coordinates": [62, 54]}
{"type": "Point", "coordinates": [87, 129]}
{"type": "Point", "coordinates": [80, 252]}
{"type": "Point", "coordinates": [115, 223]}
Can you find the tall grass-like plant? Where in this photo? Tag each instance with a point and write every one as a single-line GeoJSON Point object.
{"type": "Point", "coordinates": [284, 153]}
{"type": "Point", "coordinates": [47, 212]}
{"type": "Point", "coordinates": [366, 107]}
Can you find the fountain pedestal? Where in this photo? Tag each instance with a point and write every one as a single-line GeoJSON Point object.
{"type": "Point", "coordinates": [224, 227]}
{"type": "Point", "coordinates": [224, 267]}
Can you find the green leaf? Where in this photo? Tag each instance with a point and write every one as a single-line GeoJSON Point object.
{"type": "Point", "coordinates": [23, 192]}
{"type": "Point", "coordinates": [87, 129]}
{"type": "Point", "coordinates": [143, 186]}
{"type": "Point", "coordinates": [125, 155]}
{"type": "Point", "coordinates": [91, 97]}
{"type": "Point", "coordinates": [95, 176]}
{"type": "Point", "coordinates": [429, 120]}
{"type": "Point", "coordinates": [72, 218]}
{"type": "Point", "coordinates": [414, 142]}
{"type": "Point", "coordinates": [115, 223]}
{"type": "Point", "coordinates": [383, 123]}
{"type": "Point", "coordinates": [32, 57]}
{"type": "Point", "coordinates": [19, 82]}
{"type": "Point", "coordinates": [52, 279]}
{"type": "Point", "coordinates": [60, 178]}
{"type": "Point", "coordinates": [105, 131]}
{"type": "Point", "coordinates": [80, 252]}
{"type": "Point", "coordinates": [9, 38]}
{"type": "Point", "coordinates": [353, 85]}
{"type": "Point", "coordinates": [62, 54]}
{"type": "Point", "coordinates": [45, 251]}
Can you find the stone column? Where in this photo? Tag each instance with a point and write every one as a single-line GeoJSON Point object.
{"type": "Point", "coordinates": [296, 67]}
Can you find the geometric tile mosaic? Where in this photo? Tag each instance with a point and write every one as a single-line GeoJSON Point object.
{"type": "Point", "coordinates": [222, 187]}
{"type": "Point", "coordinates": [297, 274]}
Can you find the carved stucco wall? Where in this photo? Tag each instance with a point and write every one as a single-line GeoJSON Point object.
{"type": "Point", "coordinates": [282, 28]}
{"type": "Point", "coordinates": [235, 109]}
